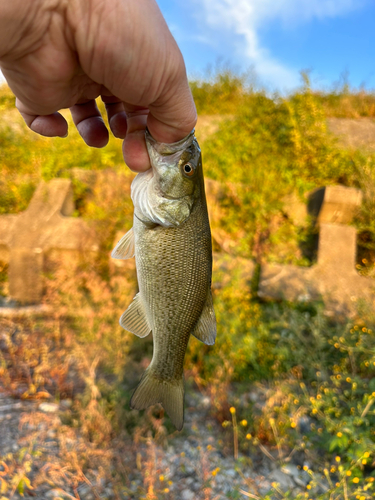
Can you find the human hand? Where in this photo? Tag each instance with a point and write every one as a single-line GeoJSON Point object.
{"type": "Point", "coordinates": [58, 54]}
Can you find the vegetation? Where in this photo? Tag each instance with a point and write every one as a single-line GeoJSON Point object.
{"type": "Point", "coordinates": [282, 381]}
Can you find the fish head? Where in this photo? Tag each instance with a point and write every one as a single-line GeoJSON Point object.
{"type": "Point", "coordinates": [175, 166]}
{"type": "Point", "coordinates": [166, 193]}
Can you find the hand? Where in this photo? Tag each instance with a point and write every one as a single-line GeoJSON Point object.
{"type": "Point", "coordinates": [59, 54]}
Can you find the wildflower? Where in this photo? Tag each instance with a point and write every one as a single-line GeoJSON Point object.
{"type": "Point", "coordinates": [355, 479]}
{"type": "Point", "coordinates": [314, 411]}
{"type": "Point", "coordinates": [170, 483]}
{"type": "Point", "coordinates": [348, 472]}
{"type": "Point", "coordinates": [161, 477]}
{"type": "Point", "coordinates": [305, 467]}
{"type": "Point", "coordinates": [338, 459]}
{"type": "Point", "coordinates": [296, 401]}
{"type": "Point", "coordinates": [337, 484]}
{"type": "Point", "coordinates": [348, 379]}
{"type": "Point", "coordinates": [337, 345]}
{"type": "Point", "coordinates": [308, 486]}
{"type": "Point", "coordinates": [339, 434]}
{"type": "Point", "coordinates": [293, 425]}
{"type": "Point", "coordinates": [364, 461]}
{"type": "Point", "coordinates": [244, 423]}
{"type": "Point", "coordinates": [364, 330]}
{"type": "Point", "coordinates": [215, 471]}
{"type": "Point", "coordinates": [248, 436]}
{"type": "Point", "coordinates": [232, 409]}
{"type": "Point", "coordinates": [166, 490]}
{"type": "Point", "coordinates": [209, 447]}
{"type": "Point", "coordinates": [319, 396]}
{"type": "Point", "coordinates": [366, 454]}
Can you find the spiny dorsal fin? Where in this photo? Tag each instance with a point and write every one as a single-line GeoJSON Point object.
{"type": "Point", "coordinates": [170, 393]}
{"type": "Point", "coordinates": [134, 318]}
{"type": "Point", "coordinates": [205, 329]}
{"type": "Point", "coordinates": [125, 248]}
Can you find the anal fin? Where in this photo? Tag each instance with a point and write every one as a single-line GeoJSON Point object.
{"type": "Point", "coordinates": [205, 329]}
{"type": "Point", "coordinates": [134, 319]}
{"type": "Point", "coordinates": [125, 248]}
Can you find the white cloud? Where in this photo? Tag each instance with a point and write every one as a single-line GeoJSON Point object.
{"type": "Point", "coordinates": [237, 23]}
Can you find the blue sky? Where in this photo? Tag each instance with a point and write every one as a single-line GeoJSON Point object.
{"type": "Point", "coordinates": [278, 38]}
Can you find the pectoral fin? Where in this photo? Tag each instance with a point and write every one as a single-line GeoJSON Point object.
{"type": "Point", "coordinates": [125, 248]}
{"type": "Point", "coordinates": [134, 318]}
{"type": "Point", "coordinates": [205, 329]}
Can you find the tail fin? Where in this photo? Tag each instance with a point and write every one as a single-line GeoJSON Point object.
{"type": "Point", "coordinates": [170, 394]}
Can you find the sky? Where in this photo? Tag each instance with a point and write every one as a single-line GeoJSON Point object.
{"type": "Point", "coordinates": [277, 39]}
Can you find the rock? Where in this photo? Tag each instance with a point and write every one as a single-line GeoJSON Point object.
{"type": "Point", "coordinates": [49, 407]}
{"type": "Point", "coordinates": [59, 493]}
{"type": "Point", "coordinates": [299, 476]}
{"type": "Point", "coordinates": [66, 404]}
{"type": "Point", "coordinates": [285, 482]}
{"type": "Point", "coordinates": [187, 495]}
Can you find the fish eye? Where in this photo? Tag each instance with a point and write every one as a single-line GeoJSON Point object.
{"type": "Point", "coordinates": [188, 169]}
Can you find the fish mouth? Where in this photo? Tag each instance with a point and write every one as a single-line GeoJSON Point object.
{"type": "Point", "coordinates": [166, 149]}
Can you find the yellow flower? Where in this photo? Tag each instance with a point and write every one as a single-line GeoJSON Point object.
{"type": "Point", "coordinates": [355, 479]}
{"type": "Point", "coordinates": [215, 471]}
{"type": "Point", "coordinates": [314, 411]}
{"type": "Point", "coordinates": [243, 423]}
{"type": "Point", "coordinates": [293, 425]}
{"type": "Point", "coordinates": [166, 490]}
{"type": "Point", "coordinates": [339, 434]}
{"type": "Point", "coordinates": [182, 454]}
{"type": "Point", "coordinates": [348, 379]}
{"type": "Point", "coordinates": [161, 477]}
{"type": "Point", "coordinates": [364, 461]}
{"type": "Point", "coordinates": [337, 345]}
{"type": "Point", "coordinates": [338, 459]}
{"type": "Point", "coordinates": [232, 409]}
{"type": "Point", "coordinates": [308, 487]}
{"type": "Point", "coordinates": [362, 498]}
{"type": "Point", "coordinates": [319, 396]}
{"type": "Point", "coordinates": [305, 467]}
{"type": "Point", "coordinates": [366, 454]}
{"type": "Point", "coordinates": [248, 436]}
{"type": "Point", "coordinates": [209, 447]}
{"type": "Point", "coordinates": [170, 483]}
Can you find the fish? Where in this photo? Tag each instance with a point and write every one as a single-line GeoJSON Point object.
{"type": "Point", "coordinates": [171, 241]}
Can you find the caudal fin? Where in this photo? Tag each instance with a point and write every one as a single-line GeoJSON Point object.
{"type": "Point", "coordinates": [170, 394]}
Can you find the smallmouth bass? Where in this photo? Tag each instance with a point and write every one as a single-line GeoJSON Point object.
{"type": "Point", "coordinates": [171, 241]}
